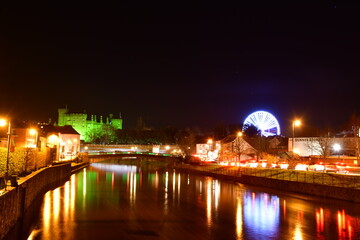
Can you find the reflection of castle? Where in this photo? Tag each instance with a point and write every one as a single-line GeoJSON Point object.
{"type": "Point", "coordinates": [80, 122]}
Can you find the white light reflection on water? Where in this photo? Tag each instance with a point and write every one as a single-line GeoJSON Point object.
{"type": "Point", "coordinates": [179, 185]}
{"type": "Point", "coordinates": [217, 191]}
{"type": "Point", "coordinates": [261, 214]}
{"type": "Point", "coordinates": [166, 200]}
{"type": "Point", "coordinates": [84, 188]}
{"type": "Point", "coordinates": [132, 187]}
{"type": "Point", "coordinates": [115, 167]}
{"type": "Point", "coordinates": [174, 184]}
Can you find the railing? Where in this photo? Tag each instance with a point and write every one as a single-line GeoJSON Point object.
{"type": "Point", "coordinates": [330, 179]}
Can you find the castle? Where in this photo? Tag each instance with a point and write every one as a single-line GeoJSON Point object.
{"type": "Point", "coordinates": [81, 123]}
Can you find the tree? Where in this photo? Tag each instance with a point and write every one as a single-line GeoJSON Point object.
{"type": "Point", "coordinates": [321, 146]}
{"type": "Point", "coordinates": [186, 141]}
{"type": "Point", "coordinates": [239, 147]}
{"type": "Point", "coordinates": [106, 134]}
{"type": "Point", "coordinates": [251, 131]}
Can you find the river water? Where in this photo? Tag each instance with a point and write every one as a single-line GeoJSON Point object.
{"type": "Point", "coordinates": [112, 201]}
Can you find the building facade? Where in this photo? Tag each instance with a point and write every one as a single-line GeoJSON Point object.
{"type": "Point", "coordinates": [85, 124]}
{"type": "Point", "coordinates": [64, 140]}
{"type": "Point", "coordinates": [325, 146]}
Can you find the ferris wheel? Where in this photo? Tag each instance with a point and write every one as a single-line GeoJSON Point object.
{"type": "Point", "coordinates": [264, 121]}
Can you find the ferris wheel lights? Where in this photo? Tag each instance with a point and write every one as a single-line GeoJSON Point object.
{"type": "Point", "coordinates": [264, 121]}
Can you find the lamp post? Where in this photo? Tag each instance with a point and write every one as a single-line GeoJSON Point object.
{"type": "Point", "coordinates": [295, 123]}
{"type": "Point", "coordinates": [238, 147]}
{"type": "Point", "coordinates": [3, 122]}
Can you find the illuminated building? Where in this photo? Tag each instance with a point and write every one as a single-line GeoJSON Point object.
{"type": "Point", "coordinates": [85, 124]}
{"type": "Point", "coordinates": [236, 149]}
{"type": "Point", "coordinates": [64, 140]}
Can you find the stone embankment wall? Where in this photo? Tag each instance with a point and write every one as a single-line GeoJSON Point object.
{"type": "Point", "coordinates": [321, 190]}
{"type": "Point", "coordinates": [17, 200]}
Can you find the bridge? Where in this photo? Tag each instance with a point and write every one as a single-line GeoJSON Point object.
{"type": "Point", "coordinates": [136, 156]}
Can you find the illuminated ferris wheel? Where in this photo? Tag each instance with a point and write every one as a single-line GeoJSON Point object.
{"type": "Point", "coordinates": [265, 122]}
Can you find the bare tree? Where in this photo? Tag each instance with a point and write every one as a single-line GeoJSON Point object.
{"type": "Point", "coordinates": [321, 146]}
{"type": "Point", "coordinates": [240, 146]}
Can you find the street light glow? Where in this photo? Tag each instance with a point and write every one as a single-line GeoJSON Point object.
{"type": "Point", "coordinates": [239, 134]}
{"type": "Point", "coordinates": [32, 131]}
{"type": "Point", "coordinates": [336, 147]}
{"type": "Point", "coordinates": [3, 122]}
{"type": "Point", "coordinates": [297, 123]}
{"type": "Point", "coordinates": [53, 139]}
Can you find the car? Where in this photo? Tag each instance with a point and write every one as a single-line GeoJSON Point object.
{"type": "Point", "coordinates": [301, 167]}
{"type": "Point", "coordinates": [316, 167]}
{"type": "Point", "coordinates": [331, 168]}
{"type": "Point", "coordinates": [342, 167]}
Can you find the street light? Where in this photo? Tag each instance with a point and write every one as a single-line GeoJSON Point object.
{"type": "Point", "coordinates": [3, 122]}
{"type": "Point", "coordinates": [238, 147]}
{"type": "Point", "coordinates": [210, 142]}
{"type": "Point", "coordinates": [337, 148]}
{"type": "Point", "coordinates": [295, 123]}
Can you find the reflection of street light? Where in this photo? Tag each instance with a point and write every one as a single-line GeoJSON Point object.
{"type": "Point", "coordinates": [295, 123]}
{"type": "Point", "coordinates": [3, 122]}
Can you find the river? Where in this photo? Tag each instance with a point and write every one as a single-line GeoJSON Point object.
{"type": "Point", "coordinates": [112, 201]}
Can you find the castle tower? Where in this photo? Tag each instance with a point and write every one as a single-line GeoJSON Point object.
{"type": "Point", "coordinates": [61, 116]}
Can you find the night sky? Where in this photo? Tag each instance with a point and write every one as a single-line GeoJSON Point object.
{"type": "Point", "coordinates": [182, 65]}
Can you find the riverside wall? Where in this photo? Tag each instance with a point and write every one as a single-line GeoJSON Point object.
{"type": "Point", "coordinates": [15, 202]}
{"type": "Point", "coordinates": [321, 190]}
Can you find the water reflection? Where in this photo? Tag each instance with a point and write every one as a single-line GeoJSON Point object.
{"type": "Point", "coordinates": [113, 201]}
{"type": "Point", "coordinates": [261, 213]}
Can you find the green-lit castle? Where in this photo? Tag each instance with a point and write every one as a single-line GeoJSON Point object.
{"type": "Point", "coordinates": [84, 125]}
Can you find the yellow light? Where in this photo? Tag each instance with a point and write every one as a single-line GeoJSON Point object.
{"type": "Point", "coordinates": [53, 139]}
{"type": "Point", "coordinates": [210, 141]}
{"type": "Point", "coordinates": [296, 151]}
{"type": "Point", "coordinates": [75, 140]}
{"type": "Point", "coordinates": [3, 122]}
{"type": "Point", "coordinates": [239, 134]}
{"type": "Point", "coordinates": [297, 123]}
{"type": "Point", "coordinates": [167, 147]}
{"type": "Point", "coordinates": [32, 131]}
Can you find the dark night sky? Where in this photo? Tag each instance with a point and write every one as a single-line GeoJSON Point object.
{"type": "Point", "coordinates": [182, 65]}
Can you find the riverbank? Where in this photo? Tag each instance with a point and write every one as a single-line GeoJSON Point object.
{"type": "Point", "coordinates": [17, 201]}
{"type": "Point", "coordinates": [335, 186]}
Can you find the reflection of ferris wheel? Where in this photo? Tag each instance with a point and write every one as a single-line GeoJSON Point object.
{"type": "Point", "coordinates": [265, 122]}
